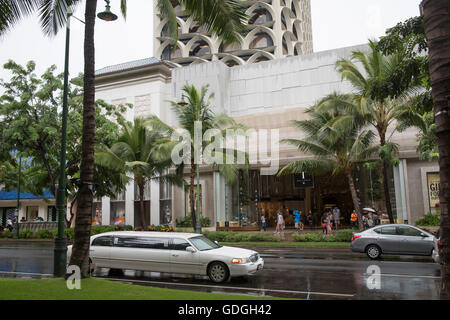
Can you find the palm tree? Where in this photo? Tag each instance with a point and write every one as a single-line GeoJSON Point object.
{"type": "Point", "coordinates": [195, 107]}
{"type": "Point", "coordinates": [437, 30]}
{"type": "Point", "coordinates": [379, 105]}
{"type": "Point", "coordinates": [142, 151]}
{"type": "Point", "coordinates": [337, 144]}
{"type": "Point", "coordinates": [222, 18]}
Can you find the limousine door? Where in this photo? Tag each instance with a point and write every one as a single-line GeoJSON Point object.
{"type": "Point", "coordinates": [100, 251]}
{"type": "Point", "coordinates": [182, 261]}
{"type": "Point", "coordinates": [141, 253]}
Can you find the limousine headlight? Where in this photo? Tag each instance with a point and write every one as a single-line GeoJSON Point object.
{"type": "Point", "coordinates": [240, 260]}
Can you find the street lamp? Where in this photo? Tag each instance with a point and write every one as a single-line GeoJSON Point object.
{"type": "Point", "coordinates": [60, 251]}
{"type": "Point", "coordinates": [16, 214]}
{"type": "Point", "coordinates": [107, 15]}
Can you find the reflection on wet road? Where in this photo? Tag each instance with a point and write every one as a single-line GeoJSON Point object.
{"type": "Point", "coordinates": [311, 273]}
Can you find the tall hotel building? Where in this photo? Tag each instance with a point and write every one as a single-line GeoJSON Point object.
{"type": "Point", "coordinates": [276, 29]}
{"type": "Point", "coordinates": [266, 80]}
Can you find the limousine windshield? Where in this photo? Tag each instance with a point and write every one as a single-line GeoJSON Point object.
{"type": "Point", "coordinates": [202, 243]}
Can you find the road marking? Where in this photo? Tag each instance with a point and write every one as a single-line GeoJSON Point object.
{"type": "Point", "coordinates": [237, 288]}
{"type": "Point", "coordinates": [401, 276]}
{"type": "Point", "coordinates": [27, 273]}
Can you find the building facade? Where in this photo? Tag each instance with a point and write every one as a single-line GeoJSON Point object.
{"type": "Point", "coordinates": [30, 206]}
{"type": "Point", "coordinates": [265, 97]}
{"type": "Point", "coordinates": [276, 29]}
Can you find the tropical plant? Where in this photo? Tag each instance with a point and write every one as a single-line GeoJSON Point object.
{"type": "Point", "coordinates": [194, 113]}
{"type": "Point", "coordinates": [142, 151]}
{"type": "Point", "coordinates": [437, 30]}
{"type": "Point", "coordinates": [336, 142]}
{"type": "Point", "coordinates": [380, 97]}
{"type": "Point", "coordinates": [223, 18]}
{"type": "Point", "coordinates": [31, 124]}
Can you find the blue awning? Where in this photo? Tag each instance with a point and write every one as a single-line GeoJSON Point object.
{"type": "Point", "coordinates": [12, 195]}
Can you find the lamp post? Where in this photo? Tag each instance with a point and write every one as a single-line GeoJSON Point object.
{"type": "Point", "coordinates": [60, 251]}
{"type": "Point", "coordinates": [16, 226]}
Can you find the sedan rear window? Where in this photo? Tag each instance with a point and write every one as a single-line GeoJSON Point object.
{"type": "Point", "coordinates": [202, 243]}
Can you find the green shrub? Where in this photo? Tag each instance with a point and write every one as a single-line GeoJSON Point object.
{"type": "Point", "coordinates": [229, 236]}
{"type": "Point", "coordinates": [309, 237]}
{"type": "Point", "coordinates": [344, 235]}
{"type": "Point", "coordinates": [7, 233]}
{"type": "Point", "coordinates": [429, 220]}
{"type": "Point", "coordinates": [44, 234]}
{"type": "Point", "coordinates": [186, 222]}
{"type": "Point", "coordinates": [24, 234]}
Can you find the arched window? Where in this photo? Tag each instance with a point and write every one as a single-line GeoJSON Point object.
{"type": "Point", "coordinates": [199, 49]}
{"type": "Point", "coordinates": [231, 63]}
{"type": "Point", "coordinates": [230, 47]}
{"type": "Point", "coordinates": [260, 16]}
{"type": "Point", "coordinates": [285, 47]}
{"type": "Point", "coordinates": [170, 54]}
{"type": "Point", "coordinates": [261, 40]}
{"type": "Point", "coordinates": [261, 59]}
{"type": "Point", "coordinates": [283, 22]}
{"type": "Point", "coordinates": [197, 28]}
{"type": "Point", "coordinates": [293, 9]}
{"type": "Point", "coordinates": [165, 30]}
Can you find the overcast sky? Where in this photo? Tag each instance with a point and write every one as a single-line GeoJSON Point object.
{"type": "Point", "coordinates": [336, 24]}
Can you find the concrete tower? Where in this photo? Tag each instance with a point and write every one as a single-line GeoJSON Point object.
{"type": "Point", "coordinates": [278, 28]}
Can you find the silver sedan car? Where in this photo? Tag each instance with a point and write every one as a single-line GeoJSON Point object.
{"type": "Point", "coordinates": [393, 239]}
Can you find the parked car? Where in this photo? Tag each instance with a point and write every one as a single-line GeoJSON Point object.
{"type": "Point", "coordinates": [435, 254]}
{"type": "Point", "coordinates": [393, 239]}
{"type": "Point", "coordinates": [186, 253]}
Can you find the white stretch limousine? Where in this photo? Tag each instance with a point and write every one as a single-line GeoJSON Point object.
{"type": "Point", "coordinates": [173, 252]}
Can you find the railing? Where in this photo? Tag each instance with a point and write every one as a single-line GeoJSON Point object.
{"type": "Point", "coordinates": [36, 226]}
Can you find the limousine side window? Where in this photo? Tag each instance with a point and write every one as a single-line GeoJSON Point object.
{"type": "Point", "coordinates": [142, 242]}
{"type": "Point", "coordinates": [179, 244]}
{"type": "Point", "coordinates": [106, 241]}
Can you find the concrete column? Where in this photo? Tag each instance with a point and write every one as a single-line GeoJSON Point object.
{"type": "Point", "coordinates": [129, 204]}
{"type": "Point", "coordinates": [154, 203]}
{"type": "Point", "coordinates": [219, 186]}
{"type": "Point", "coordinates": [106, 211]}
{"type": "Point", "coordinates": [406, 182]}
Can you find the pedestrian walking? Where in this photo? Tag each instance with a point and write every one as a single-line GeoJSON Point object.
{"type": "Point", "coordinates": [329, 223]}
{"type": "Point", "coordinates": [280, 224]}
{"type": "Point", "coordinates": [310, 218]}
{"type": "Point", "coordinates": [354, 219]}
{"type": "Point", "coordinates": [336, 216]}
{"type": "Point", "coordinates": [9, 224]}
{"type": "Point", "coordinates": [297, 217]}
{"type": "Point", "coordinates": [263, 223]}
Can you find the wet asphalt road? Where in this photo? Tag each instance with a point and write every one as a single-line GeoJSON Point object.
{"type": "Point", "coordinates": [312, 273]}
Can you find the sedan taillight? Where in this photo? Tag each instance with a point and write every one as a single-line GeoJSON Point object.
{"type": "Point", "coordinates": [356, 236]}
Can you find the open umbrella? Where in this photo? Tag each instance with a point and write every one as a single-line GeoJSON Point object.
{"type": "Point", "coordinates": [369, 209]}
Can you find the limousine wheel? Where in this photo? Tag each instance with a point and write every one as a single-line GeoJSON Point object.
{"type": "Point", "coordinates": [218, 272]}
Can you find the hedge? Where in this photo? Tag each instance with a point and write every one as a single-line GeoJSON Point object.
{"type": "Point", "coordinates": [344, 235]}
{"type": "Point", "coordinates": [229, 236]}
{"type": "Point", "coordinates": [429, 220]}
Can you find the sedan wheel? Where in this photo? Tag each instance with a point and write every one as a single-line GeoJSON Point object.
{"type": "Point", "coordinates": [373, 252]}
{"type": "Point", "coordinates": [218, 272]}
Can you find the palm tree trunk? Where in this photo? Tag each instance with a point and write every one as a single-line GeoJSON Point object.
{"type": "Point", "coordinates": [83, 222]}
{"type": "Point", "coordinates": [437, 30]}
{"type": "Point", "coordinates": [387, 192]}
{"type": "Point", "coordinates": [141, 203]}
{"type": "Point", "coordinates": [355, 198]}
{"type": "Point", "coordinates": [191, 195]}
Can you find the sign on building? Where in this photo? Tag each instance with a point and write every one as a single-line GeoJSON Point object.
{"type": "Point", "coordinates": [303, 180]}
{"type": "Point", "coordinates": [433, 185]}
